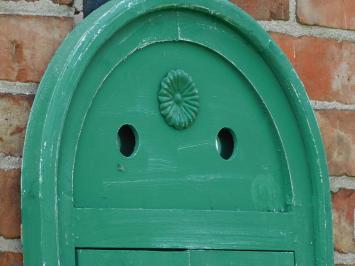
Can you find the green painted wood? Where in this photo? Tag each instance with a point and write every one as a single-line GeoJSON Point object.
{"type": "Point", "coordinates": [247, 258]}
{"type": "Point", "coordinates": [131, 258]}
{"type": "Point", "coordinates": [174, 191]}
{"type": "Point", "coordinates": [182, 258]}
{"type": "Point", "coordinates": [207, 229]}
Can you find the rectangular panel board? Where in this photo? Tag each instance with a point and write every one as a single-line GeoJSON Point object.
{"type": "Point", "coordinates": [131, 258]}
{"type": "Point", "coordinates": [182, 258]}
{"type": "Point", "coordinates": [241, 258]}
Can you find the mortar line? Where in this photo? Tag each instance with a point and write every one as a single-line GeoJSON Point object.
{"type": "Point", "coordinates": [340, 258]}
{"type": "Point", "coordinates": [18, 87]}
{"type": "Point", "coordinates": [78, 5]}
{"type": "Point", "coordinates": [10, 162]}
{"type": "Point", "coordinates": [10, 245]}
{"type": "Point", "coordinates": [323, 105]}
{"type": "Point", "coordinates": [297, 30]}
{"type": "Point", "coordinates": [293, 10]}
{"type": "Point", "coordinates": [37, 8]}
{"type": "Point", "coordinates": [341, 182]}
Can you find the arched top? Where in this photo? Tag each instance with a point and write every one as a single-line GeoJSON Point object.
{"type": "Point", "coordinates": [53, 101]}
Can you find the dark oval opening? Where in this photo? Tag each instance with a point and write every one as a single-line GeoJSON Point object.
{"type": "Point", "coordinates": [225, 143]}
{"type": "Point", "coordinates": [127, 140]}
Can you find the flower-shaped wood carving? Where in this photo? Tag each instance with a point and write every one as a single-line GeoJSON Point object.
{"type": "Point", "coordinates": [179, 99]}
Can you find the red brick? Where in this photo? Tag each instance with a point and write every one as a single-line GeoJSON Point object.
{"type": "Point", "coordinates": [63, 2]}
{"type": "Point", "coordinates": [327, 67]}
{"type": "Point", "coordinates": [27, 43]}
{"type": "Point", "coordinates": [265, 9]}
{"type": "Point", "coordinates": [14, 111]}
{"type": "Point", "coordinates": [338, 132]}
{"type": "Point", "coordinates": [10, 214]}
{"type": "Point", "coordinates": [343, 220]}
{"type": "Point", "coordinates": [330, 13]}
{"type": "Point", "coordinates": [10, 259]}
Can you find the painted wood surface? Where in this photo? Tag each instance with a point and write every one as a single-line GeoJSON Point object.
{"type": "Point", "coordinates": [182, 258]}
{"type": "Point", "coordinates": [173, 186]}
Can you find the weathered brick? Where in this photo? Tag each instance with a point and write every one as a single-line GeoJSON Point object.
{"type": "Point", "coordinates": [10, 259]}
{"type": "Point", "coordinates": [27, 43]}
{"type": "Point", "coordinates": [10, 217]}
{"type": "Point", "coordinates": [338, 133]}
{"type": "Point", "coordinates": [343, 220]}
{"type": "Point", "coordinates": [327, 67]}
{"type": "Point", "coordinates": [63, 2]}
{"type": "Point", "coordinates": [14, 111]}
{"type": "Point", "coordinates": [265, 9]}
{"type": "Point", "coordinates": [335, 13]}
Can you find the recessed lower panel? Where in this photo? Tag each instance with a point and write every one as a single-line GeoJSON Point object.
{"type": "Point", "coordinates": [182, 258]}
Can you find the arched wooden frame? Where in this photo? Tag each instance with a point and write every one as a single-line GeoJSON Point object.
{"type": "Point", "coordinates": [40, 207]}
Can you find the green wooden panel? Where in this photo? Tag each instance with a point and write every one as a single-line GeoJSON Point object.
{"type": "Point", "coordinates": [233, 258]}
{"type": "Point", "coordinates": [178, 169]}
{"type": "Point", "coordinates": [190, 229]}
{"type": "Point", "coordinates": [82, 196]}
{"type": "Point", "coordinates": [182, 258]}
{"type": "Point", "coordinates": [131, 258]}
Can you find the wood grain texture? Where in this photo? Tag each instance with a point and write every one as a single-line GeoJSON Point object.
{"type": "Point", "coordinates": [182, 258]}
{"type": "Point", "coordinates": [79, 191]}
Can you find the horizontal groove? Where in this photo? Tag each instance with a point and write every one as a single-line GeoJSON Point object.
{"type": "Point", "coordinates": [341, 182]}
{"type": "Point", "coordinates": [18, 87]}
{"type": "Point", "coordinates": [10, 245]}
{"type": "Point", "coordinates": [37, 8]}
{"type": "Point", "coordinates": [9, 162]}
{"type": "Point", "coordinates": [297, 30]}
{"type": "Point", "coordinates": [322, 105]}
{"type": "Point", "coordinates": [346, 259]}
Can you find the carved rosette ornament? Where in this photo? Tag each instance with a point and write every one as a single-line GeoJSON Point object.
{"type": "Point", "coordinates": [179, 99]}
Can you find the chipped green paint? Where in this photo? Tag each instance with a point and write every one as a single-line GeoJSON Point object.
{"type": "Point", "coordinates": [179, 99]}
{"type": "Point", "coordinates": [83, 200]}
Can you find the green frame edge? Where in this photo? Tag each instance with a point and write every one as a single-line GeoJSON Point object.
{"type": "Point", "coordinates": [42, 141]}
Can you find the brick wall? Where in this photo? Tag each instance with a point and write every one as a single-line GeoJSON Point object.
{"type": "Point", "coordinates": [30, 32]}
{"type": "Point", "coordinates": [318, 36]}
